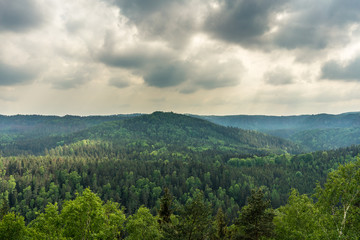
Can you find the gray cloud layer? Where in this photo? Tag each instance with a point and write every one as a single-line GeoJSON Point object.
{"type": "Point", "coordinates": [307, 24]}
{"type": "Point", "coordinates": [10, 75]}
{"type": "Point", "coordinates": [19, 15]}
{"type": "Point", "coordinates": [333, 70]}
{"type": "Point", "coordinates": [162, 68]}
{"type": "Point", "coordinates": [242, 21]}
{"type": "Point", "coordinates": [193, 47]}
{"type": "Point", "coordinates": [315, 24]}
{"type": "Point", "coordinates": [279, 77]}
{"type": "Point", "coordinates": [173, 21]}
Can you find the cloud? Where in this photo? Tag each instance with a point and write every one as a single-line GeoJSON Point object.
{"type": "Point", "coordinates": [158, 66]}
{"type": "Point", "coordinates": [279, 77]}
{"type": "Point", "coordinates": [210, 73]}
{"type": "Point", "coordinates": [162, 67]}
{"type": "Point", "coordinates": [70, 77]}
{"type": "Point", "coordinates": [19, 15]}
{"type": "Point", "coordinates": [119, 83]}
{"type": "Point", "coordinates": [333, 70]}
{"type": "Point", "coordinates": [13, 75]}
{"type": "Point", "coordinates": [136, 57]}
{"type": "Point", "coordinates": [316, 24]}
{"type": "Point", "coordinates": [172, 21]}
{"type": "Point", "coordinates": [241, 21]}
{"type": "Point", "coordinates": [122, 78]}
{"type": "Point", "coordinates": [166, 75]}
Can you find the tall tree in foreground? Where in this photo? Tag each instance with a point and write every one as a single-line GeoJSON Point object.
{"type": "Point", "coordinates": [87, 217]}
{"type": "Point", "coordinates": [165, 210]}
{"type": "Point", "coordinates": [339, 202]}
{"type": "Point", "coordinates": [195, 219]}
{"type": "Point", "coordinates": [335, 215]}
{"type": "Point", "coordinates": [298, 219]}
{"type": "Point", "coordinates": [165, 213]}
{"type": "Point", "coordinates": [256, 218]}
{"type": "Point", "coordinates": [12, 227]}
{"type": "Point", "coordinates": [143, 225]}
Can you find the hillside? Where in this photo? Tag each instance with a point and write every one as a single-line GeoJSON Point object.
{"type": "Point", "coordinates": [160, 129]}
{"type": "Point", "coordinates": [132, 160]}
{"type": "Point", "coordinates": [316, 132]}
{"type": "Point", "coordinates": [181, 131]}
{"type": "Point", "coordinates": [22, 134]}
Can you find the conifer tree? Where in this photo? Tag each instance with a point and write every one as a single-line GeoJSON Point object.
{"type": "Point", "coordinates": [255, 220]}
{"type": "Point", "coordinates": [165, 207]}
{"type": "Point", "coordinates": [220, 225]}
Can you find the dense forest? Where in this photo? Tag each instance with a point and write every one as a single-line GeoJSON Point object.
{"type": "Point", "coordinates": [315, 132]}
{"type": "Point", "coordinates": [169, 176]}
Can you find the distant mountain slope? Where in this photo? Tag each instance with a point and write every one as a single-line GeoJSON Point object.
{"type": "Point", "coordinates": [301, 122]}
{"type": "Point", "coordinates": [32, 133]}
{"type": "Point", "coordinates": [182, 130]}
{"type": "Point", "coordinates": [317, 132]}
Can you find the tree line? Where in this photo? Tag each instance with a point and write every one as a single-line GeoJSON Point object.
{"type": "Point", "coordinates": [134, 178]}
{"type": "Point", "coordinates": [332, 212]}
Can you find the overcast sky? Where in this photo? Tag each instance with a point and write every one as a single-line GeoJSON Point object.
{"type": "Point", "coordinates": [87, 57]}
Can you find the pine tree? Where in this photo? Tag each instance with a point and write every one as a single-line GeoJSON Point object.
{"type": "Point", "coordinates": [165, 207]}
{"type": "Point", "coordinates": [255, 220]}
{"type": "Point", "coordinates": [220, 225]}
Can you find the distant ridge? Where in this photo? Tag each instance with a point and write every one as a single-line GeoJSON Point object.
{"type": "Point", "coordinates": [302, 122]}
{"type": "Point", "coordinates": [179, 129]}
{"type": "Point", "coordinates": [317, 132]}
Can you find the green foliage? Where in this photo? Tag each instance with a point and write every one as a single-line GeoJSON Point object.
{"type": "Point", "coordinates": [255, 219]}
{"type": "Point", "coordinates": [87, 218]}
{"type": "Point", "coordinates": [220, 225]}
{"type": "Point", "coordinates": [339, 201]}
{"type": "Point", "coordinates": [195, 219]}
{"type": "Point", "coordinates": [47, 225]}
{"type": "Point", "coordinates": [206, 167]}
{"type": "Point", "coordinates": [165, 210]}
{"type": "Point", "coordinates": [142, 225]}
{"type": "Point", "coordinates": [12, 227]}
{"type": "Point", "coordinates": [314, 132]}
{"type": "Point", "coordinates": [298, 219]}
{"type": "Point", "coordinates": [335, 215]}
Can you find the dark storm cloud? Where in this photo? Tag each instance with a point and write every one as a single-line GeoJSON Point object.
{"type": "Point", "coordinates": [10, 75]}
{"type": "Point", "coordinates": [242, 21]}
{"type": "Point", "coordinates": [158, 68]}
{"type": "Point", "coordinates": [278, 77]}
{"type": "Point", "coordinates": [135, 58]}
{"type": "Point", "coordinates": [135, 9]}
{"type": "Point", "coordinates": [307, 24]}
{"type": "Point", "coordinates": [334, 71]}
{"type": "Point", "coordinates": [316, 24]}
{"type": "Point", "coordinates": [173, 21]}
{"type": "Point", "coordinates": [166, 75]}
{"type": "Point", "coordinates": [19, 15]}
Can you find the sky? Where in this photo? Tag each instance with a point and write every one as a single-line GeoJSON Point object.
{"type": "Point", "coordinates": [221, 57]}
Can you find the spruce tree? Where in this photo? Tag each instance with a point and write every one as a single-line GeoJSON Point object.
{"type": "Point", "coordinates": [256, 218]}
{"type": "Point", "coordinates": [165, 207]}
{"type": "Point", "coordinates": [221, 226]}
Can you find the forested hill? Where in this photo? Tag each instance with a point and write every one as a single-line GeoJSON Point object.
{"type": "Point", "coordinates": [34, 134]}
{"type": "Point", "coordinates": [316, 132]}
{"type": "Point", "coordinates": [27, 125]}
{"type": "Point", "coordinates": [181, 131]}
{"type": "Point", "coordinates": [300, 122]}
{"type": "Point", "coordinates": [31, 134]}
